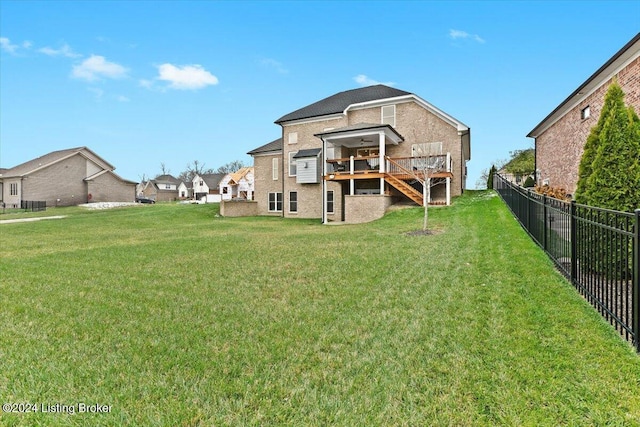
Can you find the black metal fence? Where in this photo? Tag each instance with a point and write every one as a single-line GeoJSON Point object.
{"type": "Point", "coordinates": [598, 250]}
{"type": "Point", "coordinates": [32, 206]}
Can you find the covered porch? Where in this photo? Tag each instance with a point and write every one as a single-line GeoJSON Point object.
{"type": "Point", "coordinates": [355, 155]}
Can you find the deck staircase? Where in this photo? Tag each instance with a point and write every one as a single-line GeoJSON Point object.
{"type": "Point", "coordinates": [404, 188]}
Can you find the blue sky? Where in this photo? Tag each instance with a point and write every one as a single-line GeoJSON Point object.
{"type": "Point", "coordinates": [148, 82]}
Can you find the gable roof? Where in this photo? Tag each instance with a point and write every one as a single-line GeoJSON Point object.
{"type": "Point", "coordinates": [163, 179]}
{"type": "Point", "coordinates": [240, 173]}
{"type": "Point", "coordinates": [629, 52]}
{"type": "Point", "coordinates": [54, 157]}
{"type": "Point", "coordinates": [270, 147]}
{"type": "Point", "coordinates": [212, 179]}
{"type": "Point", "coordinates": [339, 102]}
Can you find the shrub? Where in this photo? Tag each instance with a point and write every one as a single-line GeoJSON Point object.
{"type": "Point", "coordinates": [529, 182]}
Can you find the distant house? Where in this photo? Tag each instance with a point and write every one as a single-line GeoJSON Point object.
{"type": "Point", "coordinates": [184, 190]}
{"type": "Point", "coordinates": [561, 136]}
{"type": "Point", "coordinates": [238, 185]}
{"type": "Point", "coordinates": [207, 186]}
{"type": "Point", "coordinates": [349, 156]}
{"type": "Point", "coordinates": [163, 188]}
{"type": "Point", "coordinates": [63, 178]}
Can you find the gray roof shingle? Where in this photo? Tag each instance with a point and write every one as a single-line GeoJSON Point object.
{"type": "Point", "coordinates": [275, 145]}
{"type": "Point", "coordinates": [340, 101]}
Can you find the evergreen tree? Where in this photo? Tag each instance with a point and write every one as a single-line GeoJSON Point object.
{"type": "Point", "coordinates": [492, 172]}
{"type": "Point", "coordinates": [615, 177]}
{"type": "Point", "coordinates": [613, 97]}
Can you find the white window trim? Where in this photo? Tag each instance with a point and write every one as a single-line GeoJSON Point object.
{"type": "Point", "coordinates": [333, 202]}
{"type": "Point", "coordinates": [296, 201]}
{"type": "Point", "coordinates": [585, 113]}
{"type": "Point", "coordinates": [275, 202]}
{"type": "Point", "coordinates": [274, 169]}
{"type": "Point", "coordinates": [382, 115]}
{"type": "Point", "coordinates": [292, 161]}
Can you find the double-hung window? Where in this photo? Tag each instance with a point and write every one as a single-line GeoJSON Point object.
{"type": "Point", "coordinates": [292, 164]}
{"type": "Point", "coordinates": [330, 203]}
{"type": "Point", "coordinates": [275, 202]}
{"type": "Point", "coordinates": [293, 201]}
{"type": "Point", "coordinates": [389, 115]}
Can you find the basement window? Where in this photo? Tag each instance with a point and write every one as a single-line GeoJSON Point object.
{"type": "Point", "coordinates": [585, 113]}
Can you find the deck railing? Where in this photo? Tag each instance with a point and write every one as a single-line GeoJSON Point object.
{"type": "Point", "coordinates": [393, 165]}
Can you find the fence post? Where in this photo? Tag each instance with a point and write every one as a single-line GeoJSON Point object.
{"type": "Point", "coordinates": [544, 221]}
{"type": "Point", "coordinates": [574, 243]}
{"type": "Point", "coordinates": [636, 282]}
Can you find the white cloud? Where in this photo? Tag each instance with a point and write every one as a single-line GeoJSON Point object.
{"type": "Point", "coordinates": [458, 34]}
{"type": "Point", "coordinates": [96, 67]}
{"type": "Point", "coordinates": [65, 51]}
{"type": "Point", "coordinates": [276, 65]}
{"type": "Point", "coordinates": [363, 80]}
{"type": "Point", "coordinates": [185, 77]}
{"type": "Point", "coordinates": [122, 98]}
{"type": "Point", "coordinates": [5, 44]}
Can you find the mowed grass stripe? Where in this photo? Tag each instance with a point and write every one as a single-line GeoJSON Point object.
{"type": "Point", "coordinates": [176, 316]}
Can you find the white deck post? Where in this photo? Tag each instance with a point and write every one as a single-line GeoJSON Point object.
{"type": "Point", "coordinates": [448, 180]}
{"type": "Point", "coordinates": [351, 181]}
{"type": "Point", "coordinates": [381, 152]}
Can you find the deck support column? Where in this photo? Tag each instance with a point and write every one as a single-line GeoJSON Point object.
{"type": "Point", "coordinates": [381, 152]}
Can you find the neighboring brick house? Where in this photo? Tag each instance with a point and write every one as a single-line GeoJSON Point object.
{"type": "Point", "coordinates": [351, 155]}
{"type": "Point", "coordinates": [237, 185]}
{"type": "Point", "coordinates": [66, 177]}
{"type": "Point", "coordinates": [163, 188]}
{"type": "Point", "coordinates": [560, 137]}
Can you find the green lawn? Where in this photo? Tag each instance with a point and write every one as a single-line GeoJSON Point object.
{"type": "Point", "coordinates": [175, 316]}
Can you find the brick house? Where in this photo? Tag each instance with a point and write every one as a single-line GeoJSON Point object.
{"type": "Point", "coordinates": [560, 137]}
{"type": "Point", "coordinates": [64, 178]}
{"type": "Point", "coordinates": [350, 156]}
{"type": "Point", "coordinates": [163, 188]}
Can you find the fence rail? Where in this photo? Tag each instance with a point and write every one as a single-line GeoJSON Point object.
{"type": "Point", "coordinates": [597, 249]}
{"type": "Point", "coordinates": [33, 206]}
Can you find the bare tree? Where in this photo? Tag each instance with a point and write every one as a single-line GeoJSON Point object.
{"type": "Point", "coordinates": [426, 164]}
{"type": "Point", "coordinates": [230, 167]}
{"type": "Point", "coordinates": [193, 169]}
{"type": "Point", "coordinates": [164, 170]}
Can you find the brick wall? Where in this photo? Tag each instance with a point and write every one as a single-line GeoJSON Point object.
{"type": "Point", "coordinates": [61, 181]}
{"type": "Point", "coordinates": [309, 195]}
{"type": "Point", "coordinates": [108, 188]}
{"type": "Point", "coordinates": [418, 125]}
{"type": "Point", "coordinates": [237, 208]}
{"type": "Point", "coordinates": [365, 208]}
{"type": "Point", "coordinates": [560, 147]}
{"type": "Point", "coordinates": [264, 182]}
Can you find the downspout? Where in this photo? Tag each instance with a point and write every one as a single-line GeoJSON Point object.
{"type": "Point", "coordinates": [324, 181]}
{"type": "Point", "coordinates": [281, 171]}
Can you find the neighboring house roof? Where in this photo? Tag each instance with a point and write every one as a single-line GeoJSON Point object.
{"type": "Point", "coordinates": [339, 102]}
{"type": "Point", "coordinates": [628, 53]}
{"type": "Point", "coordinates": [269, 148]}
{"type": "Point", "coordinates": [54, 157]}
{"type": "Point", "coordinates": [212, 179]}
{"type": "Point", "coordinates": [239, 174]}
{"type": "Point", "coordinates": [164, 179]}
